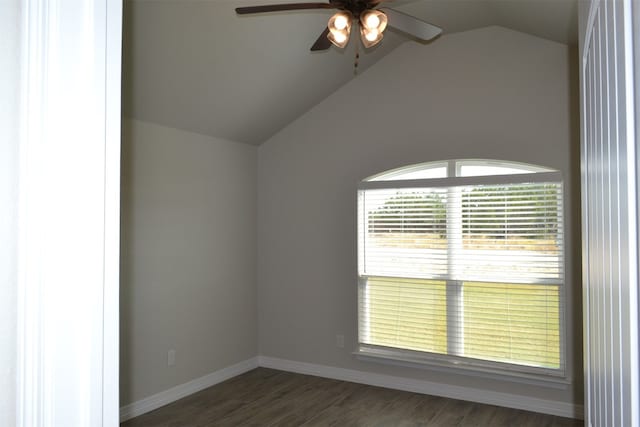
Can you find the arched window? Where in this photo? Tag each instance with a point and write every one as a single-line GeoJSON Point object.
{"type": "Point", "coordinates": [461, 263]}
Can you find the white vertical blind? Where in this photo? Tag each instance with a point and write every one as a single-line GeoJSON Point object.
{"type": "Point", "coordinates": [609, 215]}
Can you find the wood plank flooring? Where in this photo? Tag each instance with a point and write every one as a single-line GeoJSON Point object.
{"type": "Point", "coordinates": [266, 397]}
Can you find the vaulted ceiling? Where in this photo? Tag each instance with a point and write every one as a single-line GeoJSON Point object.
{"type": "Point", "coordinates": [195, 65]}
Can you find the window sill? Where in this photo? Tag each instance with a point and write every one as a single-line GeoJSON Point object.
{"type": "Point", "coordinates": [461, 368]}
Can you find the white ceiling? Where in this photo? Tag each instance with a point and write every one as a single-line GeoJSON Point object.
{"type": "Point", "coordinates": [196, 65]}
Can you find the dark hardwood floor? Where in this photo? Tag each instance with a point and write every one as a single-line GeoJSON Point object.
{"type": "Point", "coordinates": [266, 397]}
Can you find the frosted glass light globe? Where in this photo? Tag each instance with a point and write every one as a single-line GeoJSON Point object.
{"type": "Point", "coordinates": [372, 21]}
{"type": "Point", "coordinates": [340, 37]}
{"type": "Point", "coordinates": [371, 35]}
{"type": "Point", "coordinates": [341, 22]}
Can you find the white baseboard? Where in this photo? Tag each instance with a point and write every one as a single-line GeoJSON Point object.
{"type": "Point", "coordinates": [550, 407]}
{"type": "Point", "coordinates": [178, 392]}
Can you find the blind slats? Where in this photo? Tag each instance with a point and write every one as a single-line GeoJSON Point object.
{"type": "Point", "coordinates": [510, 232]}
{"type": "Point", "coordinates": [471, 271]}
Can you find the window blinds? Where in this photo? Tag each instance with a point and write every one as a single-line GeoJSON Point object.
{"type": "Point", "coordinates": [507, 233]}
{"type": "Point", "coordinates": [471, 271]}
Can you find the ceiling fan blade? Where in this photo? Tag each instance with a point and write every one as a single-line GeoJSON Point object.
{"type": "Point", "coordinates": [322, 43]}
{"type": "Point", "coordinates": [282, 7]}
{"type": "Point", "coordinates": [411, 25]}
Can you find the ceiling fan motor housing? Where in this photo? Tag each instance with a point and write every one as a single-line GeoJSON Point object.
{"type": "Point", "coordinates": [356, 7]}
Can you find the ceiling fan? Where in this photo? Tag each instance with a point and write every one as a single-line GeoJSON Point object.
{"type": "Point", "coordinates": [366, 14]}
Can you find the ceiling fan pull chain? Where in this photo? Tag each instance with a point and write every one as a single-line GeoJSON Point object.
{"type": "Point", "coordinates": [357, 58]}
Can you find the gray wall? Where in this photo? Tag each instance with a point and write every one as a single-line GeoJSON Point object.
{"type": "Point", "coordinates": [188, 257]}
{"type": "Point", "coordinates": [488, 93]}
{"type": "Point", "coordinates": [9, 119]}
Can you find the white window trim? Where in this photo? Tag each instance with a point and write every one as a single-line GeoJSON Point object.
{"type": "Point", "coordinates": [450, 363]}
{"type": "Point", "coordinates": [388, 175]}
{"type": "Point", "coordinates": [536, 177]}
{"type": "Point", "coordinates": [439, 364]}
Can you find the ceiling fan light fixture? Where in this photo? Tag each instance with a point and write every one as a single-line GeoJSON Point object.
{"type": "Point", "coordinates": [339, 28]}
{"type": "Point", "coordinates": [373, 20]}
{"type": "Point", "coordinates": [372, 24]}
{"type": "Point", "coordinates": [341, 22]}
{"type": "Point", "coordinates": [366, 14]}
{"type": "Point", "coordinates": [339, 39]}
{"type": "Point", "coordinates": [371, 37]}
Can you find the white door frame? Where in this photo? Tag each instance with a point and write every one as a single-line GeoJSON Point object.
{"type": "Point", "coordinates": [69, 209]}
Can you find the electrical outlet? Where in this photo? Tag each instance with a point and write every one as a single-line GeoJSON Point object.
{"type": "Point", "coordinates": [340, 341]}
{"type": "Point", "coordinates": [171, 357]}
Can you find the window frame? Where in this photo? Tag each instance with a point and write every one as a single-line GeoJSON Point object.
{"type": "Point", "coordinates": [557, 378]}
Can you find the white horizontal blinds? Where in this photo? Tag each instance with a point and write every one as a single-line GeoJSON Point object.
{"type": "Point", "coordinates": [500, 242]}
{"type": "Point", "coordinates": [404, 313]}
{"type": "Point", "coordinates": [512, 323]}
{"type": "Point", "coordinates": [404, 232]}
{"type": "Point", "coordinates": [502, 324]}
{"type": "Point", "coordinates": [511, 233]}
{"type": "Point", "coordinates": [508, 233]}
{"type": "Point", "coordinates": [512, 267]}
